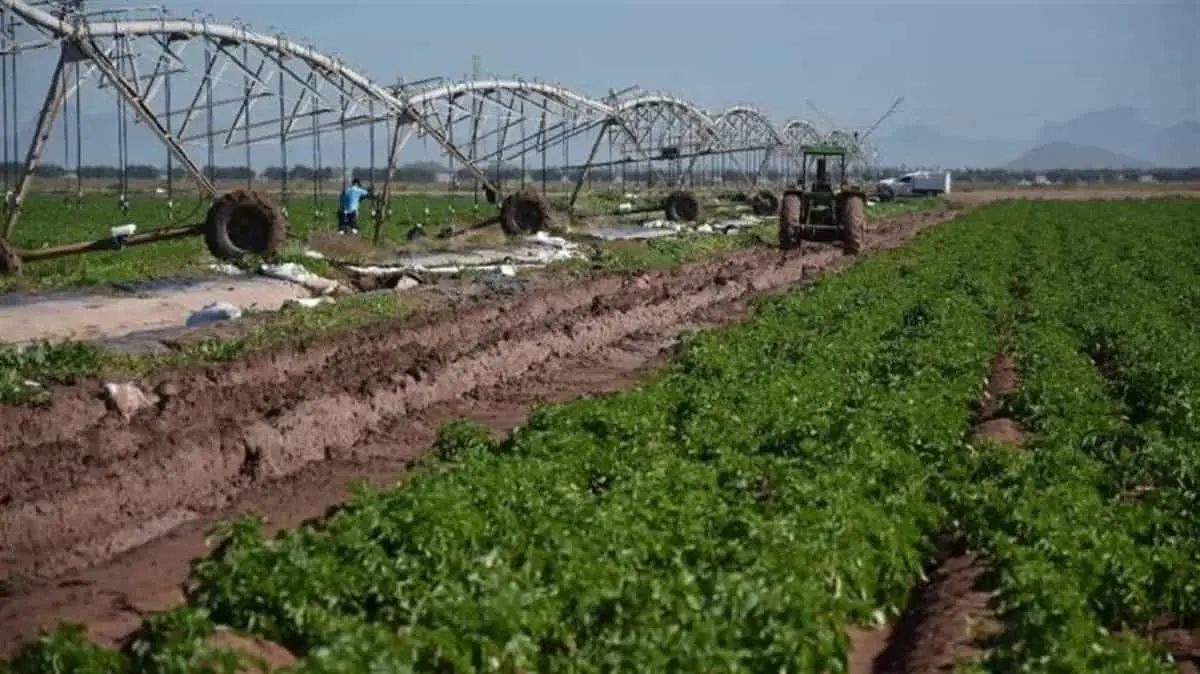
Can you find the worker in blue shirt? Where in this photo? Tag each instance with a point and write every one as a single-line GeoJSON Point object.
{"type": "Point", "coordinates": [348, 210]}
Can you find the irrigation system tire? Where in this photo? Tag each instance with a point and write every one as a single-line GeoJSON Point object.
{"type": "Point", "coordinates": [765, 203]}
{"type": "Point", "coordinates": [854, 223]}
{"type": "Point", "coordinates": [10, 261]}
{"type": "Point", "coordinates": [682, 207]}
{"type": "Point", "coordinates": [790, 209]}
{"type": "Point", "coordinates": [243, 223]}
{"type": "Point", "coordinates": [524, 213]}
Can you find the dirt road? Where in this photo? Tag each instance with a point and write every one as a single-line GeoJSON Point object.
{"type": "Point", "coordinates": [86, 316]}
{"type": "Point", "coordinates": [99, 517]}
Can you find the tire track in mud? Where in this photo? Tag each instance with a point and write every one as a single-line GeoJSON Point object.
{"type": "Point", "coordinates": [99, 517]}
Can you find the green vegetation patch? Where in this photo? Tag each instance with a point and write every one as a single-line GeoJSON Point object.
{"type": "Point", "coordinates": [781, 481]}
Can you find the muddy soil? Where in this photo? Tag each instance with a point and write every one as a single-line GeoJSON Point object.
{"type": "Point", "coordinates": [1184, 645]}
{"type": "Point", "coordinates": [99, 517]}
{"type": "Point", "coordinates": [949, 617]}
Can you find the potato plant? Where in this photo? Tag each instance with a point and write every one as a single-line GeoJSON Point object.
{"type": "Point", "coordinates": [781, 481]}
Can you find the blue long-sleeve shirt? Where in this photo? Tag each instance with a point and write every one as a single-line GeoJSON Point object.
{"type": "Point", "coordinates": [351, 197]}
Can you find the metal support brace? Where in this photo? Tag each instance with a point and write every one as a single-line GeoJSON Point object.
{"type": "Point", "coordinates": [586, 169]}
{"type": "Point", "coordinates": [124, 89]}
{"type": "Point", "coordinates": [400, 136]}
{"type": "Point", "coordinates": [433, 132]}
{"type": "Point", "coordinates": [56, 97]}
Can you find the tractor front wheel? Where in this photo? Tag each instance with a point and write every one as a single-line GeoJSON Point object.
{"type": "Point", "coordinates": [854, 224]}
{"type": "Point", "coordinates": [765, 203]}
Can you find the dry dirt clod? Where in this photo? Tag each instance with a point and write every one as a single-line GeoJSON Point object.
{"type": "Point", "coordinates": [126, 399]}
{"type": "Point", "coordinates": [264, 656]}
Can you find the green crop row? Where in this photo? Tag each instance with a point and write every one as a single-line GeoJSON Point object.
{"type": "Point", "coordinates": [781, 481]}
{"type": "Point", "coordinates": [737, 514]}
{"type": "Point", "coordinates": [1080, 564]}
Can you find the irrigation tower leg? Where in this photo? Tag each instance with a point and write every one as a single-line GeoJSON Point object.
{"type": "Point", "coordinates": [768, 155]}
{"type": "Point", "coordinates": [400, 135]}
{"type": "Point", "coordinates": [587, 167]}
{"type": "Point", "coordinates": [56, 96]}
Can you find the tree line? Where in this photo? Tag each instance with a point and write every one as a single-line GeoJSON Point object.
{"type": "Point", "coordinates": [425, 173]}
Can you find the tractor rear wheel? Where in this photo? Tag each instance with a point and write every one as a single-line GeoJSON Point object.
{"type": "Point", "coordinates": [789, 220]}
{"type": "Point", "coordinates": [854, 224]}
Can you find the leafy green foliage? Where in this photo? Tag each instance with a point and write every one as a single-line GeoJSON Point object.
{"type": "Point", "coordinates": [26, 372]}
{"type": "Point", "coordinates": [780, 481]}
{"type": "Point", "coordinates": [1098, 334]}
{"type": "Point", "coordinates": [459, 439]}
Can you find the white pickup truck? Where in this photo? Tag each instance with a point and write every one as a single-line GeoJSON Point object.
{"type": "Point", "coordinates": [920, 183]}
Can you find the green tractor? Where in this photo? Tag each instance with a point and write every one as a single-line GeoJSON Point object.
{"type": "Point", "coordinates": [819, 212]}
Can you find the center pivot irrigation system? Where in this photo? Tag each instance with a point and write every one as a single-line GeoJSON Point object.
{"type": "Point", "coordinates": [205, 89]}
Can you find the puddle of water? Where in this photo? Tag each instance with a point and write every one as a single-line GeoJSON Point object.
{"type": "Point", "coordinates": [168, 286]}
{"type": "Point", "coordinates": [24, 299]}
{"type": "Point", "coordinates": [520, 254]}
{"type": "Point", "coordinates": [629, 233]}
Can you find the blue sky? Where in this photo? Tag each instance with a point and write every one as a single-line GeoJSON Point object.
{"type": "Point", "coordinates": [976, 68]}
{"type": "Point", "coordinates": [979, 69]}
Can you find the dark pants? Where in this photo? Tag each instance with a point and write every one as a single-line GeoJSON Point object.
{"type": "Point", "coordinates": [347, 222]}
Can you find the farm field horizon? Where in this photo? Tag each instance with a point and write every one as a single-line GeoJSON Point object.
{"type": "Point", "coordinates": [598, 339]}
{"type": "Point", "coordinates": [908, 463]}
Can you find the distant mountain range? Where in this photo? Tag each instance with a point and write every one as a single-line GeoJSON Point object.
{"type": "Point", "coordinates": [1070, 156]}
{"type": "Point", "coordinates": [1114, 138]}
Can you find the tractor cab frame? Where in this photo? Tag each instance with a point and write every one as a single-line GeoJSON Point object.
{"type": "Point", "coordinates": [821, 211]}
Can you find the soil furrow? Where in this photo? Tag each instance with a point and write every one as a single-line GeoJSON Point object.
{"type": "Point", "coordinates": [198, 467]}
{"type": "Point", "coordinates": [949, 616]}
{"type": "Point", "coordinates": [136, 514]}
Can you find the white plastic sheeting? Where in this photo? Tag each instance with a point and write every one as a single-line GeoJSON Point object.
{"type": "Point", "coordinates": [653, 229]}
{"type": "Point", "coordinates": [537, 250]}
{"type": "Point", "coordinates": [300, 275]}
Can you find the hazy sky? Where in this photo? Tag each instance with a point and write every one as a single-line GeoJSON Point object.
{"type": "Point", "coordinates": [982, 69]}
{"type": "Point", "coordinates": [978, 68]}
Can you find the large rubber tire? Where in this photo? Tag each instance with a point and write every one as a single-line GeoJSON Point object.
{"type": "Point", "coordinates": [682, 207]}
{"type": "Point", "coordinates": [854, 223]}
{"type": "Point", "coordinates": [10, 261]}
{"type": "Point", "coordinates": [789, 220]}
{"type": "Point", "coordinates": [765, 203]}
{"type": "Point", "coordinates": [524, 213]}
{"type": "Point", "coordinates": [243, 223]}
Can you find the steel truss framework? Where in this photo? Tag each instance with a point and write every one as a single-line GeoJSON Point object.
{"type": "Point", "coordinates": [201, 86]}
